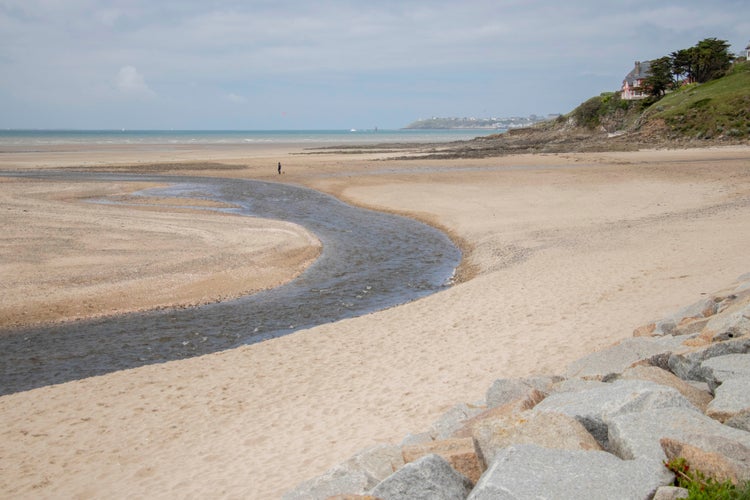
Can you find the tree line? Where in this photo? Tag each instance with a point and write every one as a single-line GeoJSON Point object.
{"type": "Point", "coordinates": [707, 60]}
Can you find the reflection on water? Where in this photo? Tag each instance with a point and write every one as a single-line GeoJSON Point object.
{"type": "Point", "coordinates": [370, 261]}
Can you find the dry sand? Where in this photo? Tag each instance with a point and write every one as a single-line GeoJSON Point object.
{"type": "Point", "coordinates": [565, 254]}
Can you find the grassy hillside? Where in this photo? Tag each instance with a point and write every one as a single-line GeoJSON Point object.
{"type": "Point", "coordinates": [717, 110]}
{"type": "Point", "coordinates": [713, 113]}
{"type": "Point", "coordinates": [713, 110]}
{"type": "Point", "coordinates": [607, 112]}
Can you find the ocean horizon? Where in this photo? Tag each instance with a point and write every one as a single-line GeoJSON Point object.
{"type": "Point", "coordinates": [52, 137]}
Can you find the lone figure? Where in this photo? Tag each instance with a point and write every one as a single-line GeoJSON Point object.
{"type": "Point", "coordinates": [279, 168]}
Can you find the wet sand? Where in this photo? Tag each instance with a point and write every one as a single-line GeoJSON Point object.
{"type": "Point", "coordinates": [65, 257]}
{"type": "Point", "coordinates": [564, 254]}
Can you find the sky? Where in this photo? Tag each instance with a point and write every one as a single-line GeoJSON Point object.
{"type": "Point", "coordinates": [329, 64]}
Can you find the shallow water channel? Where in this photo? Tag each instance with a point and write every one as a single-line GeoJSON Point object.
{"type": "Point", "coordinates": [370, 261]}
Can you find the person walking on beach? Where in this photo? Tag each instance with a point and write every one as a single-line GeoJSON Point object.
{"type": "Point", "coordinates": [279, 168]}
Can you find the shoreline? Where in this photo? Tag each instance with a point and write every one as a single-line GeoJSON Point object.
{"type": "Point", "coordinates": [69, 259]}
{"type": "Point", "coordinates": [572, 252]}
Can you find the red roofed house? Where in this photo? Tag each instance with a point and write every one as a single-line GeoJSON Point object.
{"type": "Point", "coordinates": [632, 85]}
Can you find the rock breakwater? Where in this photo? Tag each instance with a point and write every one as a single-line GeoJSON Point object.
{"type": "Point", "coordinates": [603, 429]}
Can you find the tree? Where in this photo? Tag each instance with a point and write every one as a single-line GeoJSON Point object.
{"type": "Point", "coordinates": [682, 64]}
{"type": "Point", "coordinates": [706, 61]}
{"type": "Point", "coordinates": [710, 59]}
{"type": "Point", "coordinates": [660, 79]}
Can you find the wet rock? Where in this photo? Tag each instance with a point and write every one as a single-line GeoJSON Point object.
{"type": "Point", "coordinates": [429, 478]}
{"type": "Point", "coordinates": [731, 398]}
{"type": "Point", "coordinates": [529, 471]}
{"type": "Point", "coordinates": [461, 454]}
{"type": "Point", "coordinates": [591, 407]}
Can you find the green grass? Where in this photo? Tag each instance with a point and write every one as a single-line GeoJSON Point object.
{"type": "Point", "coordinates": [606, 109]}
{"type": "Point", "coordinates": [701, 487]}
{"type": "Point", "coordinates": [720, 108]}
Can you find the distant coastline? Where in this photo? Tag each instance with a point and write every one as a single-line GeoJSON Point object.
{"type": "Point", "coordinates": [472, 123]}
{"type": "Point", "coordinates": [35, 138]}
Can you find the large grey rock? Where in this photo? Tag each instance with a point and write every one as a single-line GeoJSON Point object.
{"type": "Point", "coordinates": [543, 383]}
{"type": "Point", "coordinates": [357, 475]}
{"type": "Point", "coordinates": [698, 396]}
{"type": "Point", "coordinates": [461, 454]}
{"type": "Point", "coordinates": [740, 421]}
{"type": "Point", "coordinates": [576, 385]}
{"type": "Point", "coordinates": [743, 283]}
{"type": "Point", "coordinates": [638, 434]}
{"type": "Point", "coordinates": [419, 438]}
{"type": "Point", "coordinates": [688, 320]}
{"type": "Point", "coordinates": [717, 457]}
{"type": "Point", "coordinates": [721, 368]}
{"type": "Point", "coordinates": [704, 308]}
{"type": "Point", "coordinates": [731, 398]}
{"type": "Point", "coordinates": [731, 324]}
{"type": "Point", "coordinates": [616, 359]}
{"type": "Point", "coordinates": [548, 430]}
{"type": "Point", "coordinates": [378, 461]}
{"type": "Point", "coordinates": [452, 420]}
{"type": "Point", "coordinates": [509, 390]}
{"type": "Point", "coordinates": [687, 364]}
{"type": "Point", "coordinates": [670, 493]}
{"type": "Point", "coordinates": [336, 481]}
{"type": "Point", "coordinates": [529, 471]}
{"type": "Point", "coordinates": [591, 407]}
{"type": "Point", "coordinates": [429, 478]}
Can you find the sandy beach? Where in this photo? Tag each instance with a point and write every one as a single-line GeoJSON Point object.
{"type": "Point", "coordinates": [563, 254]}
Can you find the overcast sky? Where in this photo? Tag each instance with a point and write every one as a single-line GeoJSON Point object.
{"type": "Point", "coordinates": [329, 64]}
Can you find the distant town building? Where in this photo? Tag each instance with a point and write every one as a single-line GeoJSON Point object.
{"type": "Point", "coordinates": [747, 52]}
{"type": "Point", "coordinates": [633, 84]}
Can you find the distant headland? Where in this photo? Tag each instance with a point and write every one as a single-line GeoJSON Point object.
{"type": "Point", "coordinates": [478, 123]}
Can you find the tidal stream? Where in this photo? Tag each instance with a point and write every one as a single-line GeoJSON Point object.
{"type": "Point", "coordinates": [370, 261]}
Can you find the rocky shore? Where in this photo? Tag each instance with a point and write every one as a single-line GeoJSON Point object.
{"type": "Point", "coordinates": [603, 429]}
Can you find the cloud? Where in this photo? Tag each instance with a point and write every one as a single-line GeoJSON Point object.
{"type": "Point", "coordinates": [335, 57]}
{"type": "Point", "coordinates": [129, 81]}
{"type": "Point", "coordinates": [236, 99]}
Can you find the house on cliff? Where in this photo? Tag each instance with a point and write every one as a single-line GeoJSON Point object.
{"type": "Point", "coordinates": [633, 84]}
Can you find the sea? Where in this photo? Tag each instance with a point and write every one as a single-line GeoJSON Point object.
{"type": "Point", "coordinates": [30, 138]}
